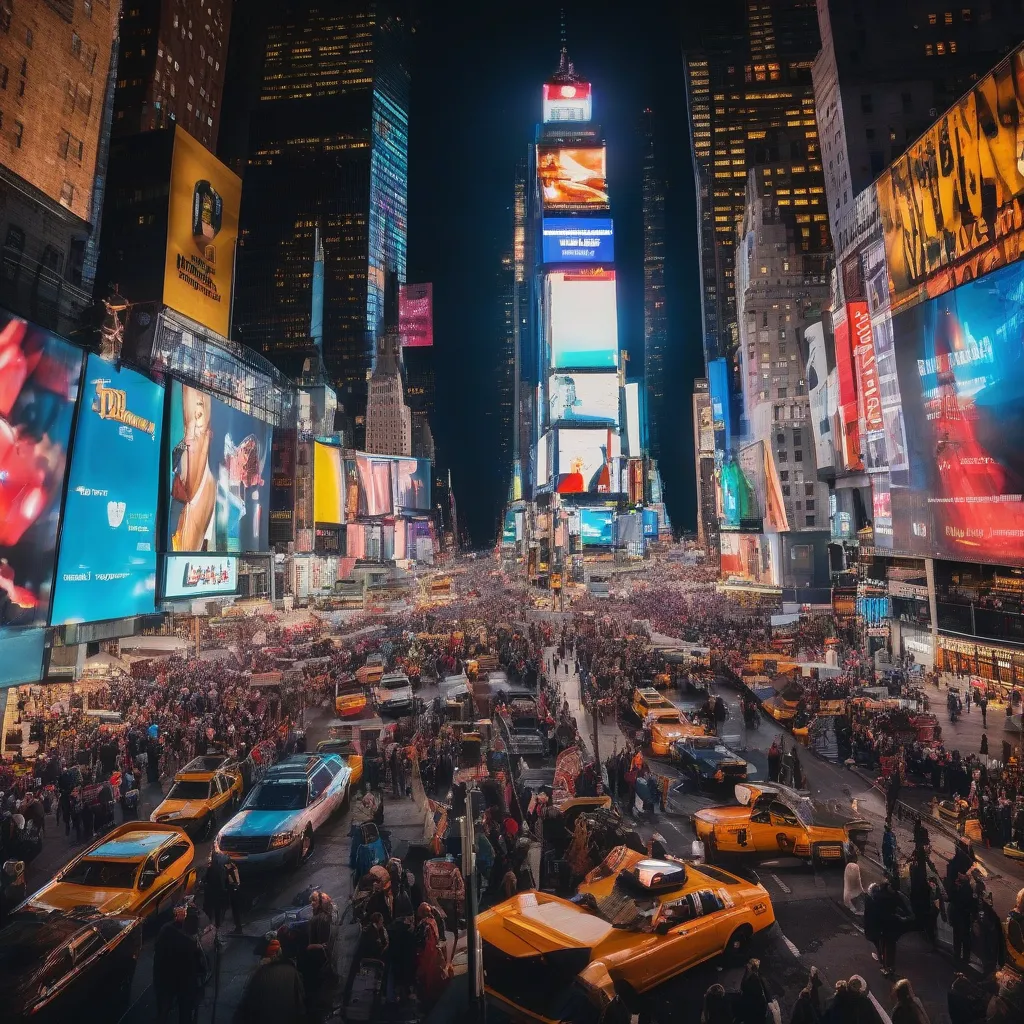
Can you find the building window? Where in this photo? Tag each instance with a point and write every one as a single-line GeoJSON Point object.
{"type": "Point", "coordinates": [940, 48]}
{"type": "Point", "coordinates": [785, 490]}
{"type": "Point", "coordinates": [808, 520]}
{"type": "Point", "coordinates": [809, 489]}
{"type": "Point", "coordinates": [19, 133]}
{"type": "Point", "coordinates": [965, 14]}
{"type": "Point", "coordinates": [798, 455]}
{"type": "Point", "coordinates": [929, 50]}
{"type": "Point", "coordinates": [76, 44]}
{"type": "Point", "coordinates": [784, 473]}
{"type": "Point", "coordinates": [948, 18]}
{"type": "Point", "coordinates": [5, 16]}
{"type": "Point", "coordinates": [67, 194]}
{"type": "Point", "coordinates": [866, 103]}
{"type": "Point", "coordinates": [933, 19]}
{"type": "Point", "coordinates": [809, 505]}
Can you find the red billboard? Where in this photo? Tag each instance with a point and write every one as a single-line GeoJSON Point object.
{"type": "Point", "coordinates": [867, 369]}
{"type": "Point", "coordinates": [847, 387]}
{"type": "Point", "coordinates": [416, 315]}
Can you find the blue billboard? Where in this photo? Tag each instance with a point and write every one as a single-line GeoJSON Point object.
{"type": "Point", "coordinates": [107, 563]}
{"type": "Point", "coordinates": [650, 522]}
{"type": "Point", "coordinates": [578, 240]}
{"type": "Point", "coordinates": [718, 385]}
{"type": "Point", "coordinates": [596, 526]}
{"type": "Point", "coordinates": [23, 656]}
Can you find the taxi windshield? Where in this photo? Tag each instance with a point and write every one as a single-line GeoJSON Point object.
{"type": "Point", "coordinates": [102, 874]}
{"type": "Point", "coordinates": [278, 796]}
{"type": "Point", "coordinates": [804, 811]}
{"type": "Point", "coordinates": [189, 790]}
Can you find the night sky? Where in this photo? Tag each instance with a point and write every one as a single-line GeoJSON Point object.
{"type": "Point", "coordinates": [476, 95]}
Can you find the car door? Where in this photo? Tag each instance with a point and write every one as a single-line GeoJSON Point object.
{"type": "Point", "coordinates": [762, 834]}
{"type": "Point", "coordinates": [170, 880]}
{"type": "Point", "coordinates": [319, 797]}
{"type": "Point", "coordinates": [786, 829]}
{"type": "Point", "coordinates": [222, 796]}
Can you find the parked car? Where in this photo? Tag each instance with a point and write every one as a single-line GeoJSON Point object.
{"type": "Point", "coordinates": [204, 793]}
{"type": "Point", "coordinates": [278, 821]}
{"type": "Point", "coordinates": [708, 760]}
{"type": "Point", "coordinates": [394, 695]}
{"type": "Point", "coordinates": [669, 725]}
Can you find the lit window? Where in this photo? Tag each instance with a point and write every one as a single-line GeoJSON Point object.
{"type": "Point", "coordinates": [948, 18]}
{"type": "Point", "coordinates": [932, 19]}
{"type": "Point", "coordinates": [940, 48]}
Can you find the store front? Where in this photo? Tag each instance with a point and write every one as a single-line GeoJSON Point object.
{"type": "Point", "coordinates": [1001, 668]}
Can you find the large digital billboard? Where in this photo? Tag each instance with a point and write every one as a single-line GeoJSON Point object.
{"type": "Point", "coordinates": [818, 386]}
{"type": "Point", "coordinates": [590, 398]}
{"type": "Point", "coordinates": [848, 412]}
{"type": "Point", "coordinates": [376, 485]}
{"type": "Point", "coordinates": [952, 206]}
{"type": "Point", "coordinates": [596, 526]}
{"type": "Point", "coordinates": [107, 563]}
{"type": "Point", "coordinates": [573, 178]}
{"type": "Point", "coordinates": [416, 315]}
{"type": "Point", "coordinates": [586, 461]}
{"type": "Point", "coordinates": [578, 240]}
{"type": "Point", "coordinates": [718, 385]}
{"type": "Point", "coordinates": [544, 460]}
{"type": "Point", "coordinates": [411, 481]}
{"type": "Point", "coordinates": [202, 229]}
{"type": "Point", "coordinates": [752, 558]}
{"type": "Point", "coordinates": [200, 576]}
{"type": "Point", "coordinates": [39, 381]}
{"type": "Point", "coordinates": [219, 475]}
{"type": "Point", "coordinates": [22, 660]}
{"type": "Point", "coordinates": [567, 101]}
{"type": "Point", "coordinates": [960, 359]}
{"type": "Point", "coordinates": [634, 443]}
{"type": "Point", "coordinates": [333, 482]}
{"type": "Point", "coordinates": [582, 319]}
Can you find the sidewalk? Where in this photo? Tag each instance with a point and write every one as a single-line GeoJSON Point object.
{"type": "Point", "coordinates": [609, 736]}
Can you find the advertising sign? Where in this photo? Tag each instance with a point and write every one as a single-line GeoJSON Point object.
{"type": "Point", "coordinates": [283, 452]}
{"type": "Point", "coordinates": [39, 379]}
{"type": "Point", "coordinates": [573, 178]}
{"type": "Point", "coordinates": [416, 315]}
{"type": "Point", "coordinates": [376, 484]}
{"type": "Point", "coordinates": [107, 563]}
{"type": "Point", "coordinates": [582, 319]}
{"type": "Point", "coordinates": [596, 526]}
{"type": "Point", "coordinates": [850, 438]}
{"type": "Point", "coordinates": [881, 510]}
{"type": "Point", "coordinates": [635, 482]}
{"type": "Point", "coordinates": [952, 207]}
{"type": "Point", "coordinates": [411, 480]}
{"type": "Point", "coordinates": [650, 518]}
{"type": "Point", "coordinates": [817, 391]}
{"type": "Point", "coordinates": [22, 660]}
{"type": "Point", "coordinates": [718, 385]}
{"type": "Point", "coordinates": [584, 398]}
{"type": "Point", "coordinates": [202, 229]}
{"type": "Point", "coordinates": [586, 461]}
{"type": "Point", "coordinates": [751, 558]}
{"type": "Point", "coordinates": [867, 370]}
{"type": "Point", "coordinates": [194, 576]}
{"type": "Point", "coordinates": [634, 445]}
{"type": "Point", "coordinates": [578, 240]}
{"type": "Point", "coordinates": [544, 460]}
{"type": "Point", "coordinates": [219, 475]}
{"type": "Point", "coordinates": [508, 530]}
{"type": "Point", "coordinates": [567, 101]}
{"type": "Point", "coordinates": [332, 484]}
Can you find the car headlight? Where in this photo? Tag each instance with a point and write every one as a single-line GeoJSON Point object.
{"type": "Point", "coordinates": [282, 839]}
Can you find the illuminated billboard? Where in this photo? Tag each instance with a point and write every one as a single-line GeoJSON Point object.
{"type": "Point", "coordinates": [544, 460]}
{"type": "Point", "coordinates": [348, 484]}
{"type": "Point", "coordinates": [961, 369]}
{"type": "Point", "coordinates": [650, 521]}
{"type": "Point", "coordinates": [952, 206]}
{"type": "Point", "coordinates": [107, 563]}
{"type": "Point", "coordinates": [718, 385]}
{"type": "Point", "coordinates": [39, 380]}
{"type": "Point", "coordinates": [335, 486]}
{"type": "Point", "coordinates": [582, 319]}
{"type": "Point", "coordinates": [578, 240]}
{"type": "Point", "coordinates": [634, 443]}
{"type": "Point", "coordinates": [573, 178]}
{"type": "Point", "coordinates": [596, 526]}
{"type": "Point", "coordinates": [199, 575]}
{"type": "Point", "coordinates": [410, 479]}
{"type": "Point", "coordinates": [752, 558]}
{"type": "Point", "coordinates": [22, 661]}
{"type": "Point", "coordinates": [202, 229]}
{"type": "Point", "coordinates": [219, 475]}
{"type": "Point", "coordinates": [586, 461]}
{"type": "Point", "coordinates": [869, 391]}
{"type": "Point", "coordinates": [850, 431]}
{"type": "Point", "coordinates": [416, 315]}
{"type": "Point", "coordinates": [376, 485]}
{"type": "Point", "coordinates": [567, 101]}
{"type": "Point", "coordinates": [818, 392]}
{"type": "Point", "coordinates": [584, 398]}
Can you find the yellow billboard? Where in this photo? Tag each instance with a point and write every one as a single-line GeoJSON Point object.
{"type": "Point", "coordinates": [952, 207]}
{"type": "Point", "coordinates": [202, 228]}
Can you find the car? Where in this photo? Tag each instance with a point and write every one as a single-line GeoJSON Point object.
{"type": "Point", "coordinates": [647, 699]}
{"type": "Point", "coordinates": [776, 819]}
{"type": "Point", "coordinates": [276, 824]}
{"type": "Point", "coordinates": [394, 695]}
{"type": "Point", "coordinates": [138, 868]}
{"type": "Point", "coordinates": [345, 749]}
{"type": "Point", "coordinates": [204, 793]}
{"type": "Point", "coordinates": [60, 965]}
{"type": "Point", "coordinates": [707, 759]}
{"type": "Point", "coordinates": [636, 922]}
{"type": "Point", "coordinates": [668, 725]}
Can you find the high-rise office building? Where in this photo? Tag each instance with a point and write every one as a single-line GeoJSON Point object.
{"type": "Point", "coordinates": [655, 312]}
{"type": "Point", "coordinates": [54, 63]}
{"type": "Point", "coordinates": [172, 63]}
{"type": "Point", "coordinates": [506, 360]}
{"type": "Point", "coordinates": [327, 147]}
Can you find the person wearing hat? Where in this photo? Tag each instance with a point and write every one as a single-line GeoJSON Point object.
{"type": "Point", "coordinates": [274, 993]}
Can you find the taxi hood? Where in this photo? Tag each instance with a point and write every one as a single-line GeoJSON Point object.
{"type": "Point", "coordinates": [65, 896]}
{"type": "Point", "coordinates": [184, 810]}
{"type": "Point", "coordinates": [533, 923]}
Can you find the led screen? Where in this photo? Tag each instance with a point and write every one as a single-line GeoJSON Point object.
{"type": "Point", "coordinates": [39, 379]}
{"type": "Point", "coordinates": [219, 468]}
{"type": "Point", "coordinates": [411, 481]}
{"type": "Point", "coordinates": [818, 378]}
{"type": "Point", "coordinates": [107, 563]}
{"type": "Point", "coordinates": [200, 575]}
{"type": "Point", "coordinates": [22, 660]}
{"type": "Point", "coordinates": [582, 325]}
{"type": "Point", "coordinates": [633, 443]}
{"type": "Point", "coordinates": [333, 479]}
{"type": "Point", "coordinates": [960, 359]}
{"type": "Point", "coordinates": [567, 101]}
{"type": "Point", "coordinates": [751, 558]}
{"type": "Point", "coordinates": [586, 461]}
{"type": "Point", "coordinates": [596, 526]}
{"type": "Point", "coordinates": [416, 315]}
{"type": "Point", "coordinates": [376, 490]}
{"type": "Point", "coordinates": [718, 385]}
{"type": "Point", "coordinates": [650, 518]}
{"type": "Point", "coordinates": [589, 398]}
{"type": "Point", "coordinates": [578, 240]}
{"type": "Point", "coordinates": [544, 460]}
{"type": "Point", "coordinates": [573, 178]}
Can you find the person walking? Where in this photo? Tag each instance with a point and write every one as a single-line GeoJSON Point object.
{"type": "Point", "coordinates": [274, 993]}
{"type": "Point", "coordinates": [716, 1007]}
{"type": "Point", "coordinates": [774, 761]}
{"type": "Point", "coordinates": [962, 907]}
{"type": "Point", "coordinates": [179, 968]}
{"type": "Point", "coordinates": [752, 1004]}
{"type": "Point", "coordinates": [907, 1008]}
{"type": "Point", "coordinates": [221, 888]}
{"type": "Point", "coordinates": [853, 885]}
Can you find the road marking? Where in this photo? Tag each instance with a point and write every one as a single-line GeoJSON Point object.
{"type": "Point", "coordinates": [782, 885]}
{"type": "Point", "coordinates": [882, 1015]}
{"type": "Point", "coordinates": [791, 946]}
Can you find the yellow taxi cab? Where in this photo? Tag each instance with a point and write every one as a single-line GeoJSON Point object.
{"type": "Point", "coordinates": [346, 750]}
{"type": "Point", "coordinates": [138, 868]}
{"type": "Point", "coordinates": [646, 699]}
{"type": "Point", "coordinates": [636, 922]}
{"type": "Point", "coordinates": [669, 725]}
{"type": "Point", "coordinates": [371, 672]}
{"type": "Point", "coordinates": [205, 793]}
{"type": "Point", "coordinates": [776, 819]}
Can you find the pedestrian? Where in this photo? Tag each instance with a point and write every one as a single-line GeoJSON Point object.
{"type": "Point", "coordinates": [983, 704]}
{"type": "Point", "coordinates": [179, 968]}
{"type": "Point", "coordinates": [431, 962]}
{"type": "Point", "coordinates": [774, 761]}
{"type": "Point", "coordinates": [752, 1005]}
{"type": "Point", "coordinates": [983, 749]}
{"type": "Point", "coordinates": [274, 993]}
{"type": "Point", "coordinates": [962, 907]}
{"type": "Point", "coordinates": [890, 853]}
{"type": "Point", "coordinates": [397, 773]}
{"type": "Point", "coordinates": [990, 935]}
{"type": "Point", "coordinates": [806, 1010]}
{"type": "Point", "coordinates": [907, 1008]}
{"type": "Point", "coordinates": [402, 951]}
{"type": "Point", "coordinates": [716, 1007]}
{"type": "Point", "coordinates": [853, 885]}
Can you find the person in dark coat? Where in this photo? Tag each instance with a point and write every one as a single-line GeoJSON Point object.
{"type": "Point", "coordinates": [752, 1004]}
{"type": "Point", "coordinates": [962, 907]}
{"type": "Point", "coordinates": [274, 993]}
{"type": "Point", "coordinates": [990, 929]}
{"type": "Point", "coordinates": [179, 968]}
{"type": "Point", "coordinates": [402, 950]}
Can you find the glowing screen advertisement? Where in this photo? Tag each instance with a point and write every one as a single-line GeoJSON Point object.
{"type": "Point", "coordinates": [567, 101]}
{"type": "Point", "coordinates": [416, 315]}
{"type": "Point", "coordinates": [752, 558]}
{"type": "Point", "coordinates": [590, 398]}
{"type": "Point", "coordinates": [586, 461]}
{"type": "Point", "coordinates": [582, 320]}
{"type": "Point", "coordinates": [596, 526]}
{"type": "Point", "coordinates": [573, 179]}
{"type": "Point", "coordinates": [578, 240]}
{"type": "Point", "coordinates": [107, 563]}
{"type": "Point", "coordinates": [220, 469]}
{"type": "Point", "coordinates": [193, 576]}
{"type": "Point", "coordinates": [39, 381]}
{"type": "Point", "coordinates": [23, 656]}
{"type": "Point", "coordinates": [960, 359]}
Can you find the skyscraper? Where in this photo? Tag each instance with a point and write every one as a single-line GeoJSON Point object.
{"type": "Point", "coordinates": [172, 63]}
{"type": "Point", "coordinates": [655, 312]}
{"type": "Point", "coordinates": [327, 147]}
{"type": "Point", "coordinates": [506, 360]}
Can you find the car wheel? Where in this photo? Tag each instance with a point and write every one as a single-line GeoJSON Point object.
{"type": "Point", "coordinates": [306, 846]}
{"type": "Point", "coordinates": [206, 828]}
{"type": "Point", "coordinates": [739, 943]}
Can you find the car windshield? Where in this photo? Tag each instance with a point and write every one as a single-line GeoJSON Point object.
{"type": "Point", "coordinates": [394, 684]}
{"type": "Point", "coordinates": [706, 743]}
{"type": "Point", "coordinates": [278, 796]}
{"type": "Point", "coordinates": [803, 811]}
{"type": "Point", "coordinates": [103, 874]}
{"type": "Point", "coordinates": [189, 791]}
